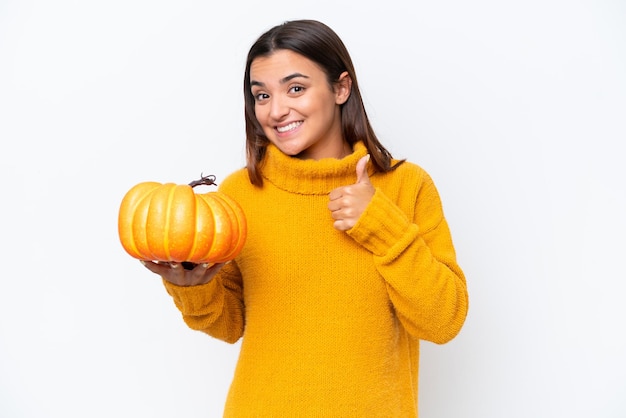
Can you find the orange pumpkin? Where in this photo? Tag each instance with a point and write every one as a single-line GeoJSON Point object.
{"type": "Point", "coordinates": [171, 222]}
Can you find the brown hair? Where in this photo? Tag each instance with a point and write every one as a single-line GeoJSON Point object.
{"type": "Point", "coordinates": [319, 43]}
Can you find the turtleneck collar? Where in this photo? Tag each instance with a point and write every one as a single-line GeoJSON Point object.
{"type": "Point", "coordinates": [310, 176]}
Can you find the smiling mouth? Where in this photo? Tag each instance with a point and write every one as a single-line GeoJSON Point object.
{"type": "Point", "coordinates": [289, 127]}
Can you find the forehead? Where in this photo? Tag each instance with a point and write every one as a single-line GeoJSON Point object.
{"type": "Point", "coordinates": [282, 63]}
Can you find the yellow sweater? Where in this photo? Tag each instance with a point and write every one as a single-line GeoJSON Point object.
{"type": "Point", "coordinates": [331, 320]}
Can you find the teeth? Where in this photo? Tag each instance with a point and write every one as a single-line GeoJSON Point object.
{"type": "Point", "coordinates": [292, 125]}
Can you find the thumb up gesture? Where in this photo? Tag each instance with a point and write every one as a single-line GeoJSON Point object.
{"type": "Point", "coordinates": [347, 203]}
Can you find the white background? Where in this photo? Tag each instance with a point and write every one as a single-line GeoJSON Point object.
{"type": "Point", "coordinates": [517, 109]}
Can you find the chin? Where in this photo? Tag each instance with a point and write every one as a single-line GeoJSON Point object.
{"type": "Point", "coordinates": [290, 149]}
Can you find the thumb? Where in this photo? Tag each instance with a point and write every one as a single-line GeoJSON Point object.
{"type": "Point", "coordinates": [361, 170]}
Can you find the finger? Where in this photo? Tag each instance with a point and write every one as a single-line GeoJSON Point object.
{"type": "Point", "coordinates": [336, 215]}
{"type": "Point", "coordinates": [198, 272]}
{"type": "Point", "coordinates": [336, 193]}
{"type": "Point", "coordinates": [157, 268]}
{"type": "Point", "coordinates": [342, 225]}
{"type": "Point", "coordinates": [334, 205]}
{"type": "Point", "coordinates": [361, 170]}
{"type": "Point", "coordinates": [203, 273]}
{"type": "Point", "coordinates": [213, 268]}
{"type": "Point", "coordinates": [202, 268]}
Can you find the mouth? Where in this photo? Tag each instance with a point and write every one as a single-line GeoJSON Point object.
{"type": "Point", "coordinates": [289, 127]}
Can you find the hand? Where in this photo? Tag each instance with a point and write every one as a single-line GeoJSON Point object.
{"type": "Point", "coordinates": [347, 203]}
{"type": "Point", "coordinates": [176, 274]}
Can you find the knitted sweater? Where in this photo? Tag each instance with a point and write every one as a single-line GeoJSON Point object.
{"type": "Point", "coordinates": [331, 320]}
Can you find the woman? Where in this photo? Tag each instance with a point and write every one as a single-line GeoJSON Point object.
{"type": "Point", "coordinates": [348, 261]}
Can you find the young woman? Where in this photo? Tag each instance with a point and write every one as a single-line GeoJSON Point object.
{"type": "Point", "coordinates": [348, 261]}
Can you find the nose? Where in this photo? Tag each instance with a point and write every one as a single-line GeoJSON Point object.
{"type": "Point", "coordinates": [278, 108]}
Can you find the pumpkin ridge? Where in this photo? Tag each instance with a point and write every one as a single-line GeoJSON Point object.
{"type": "Point", "coordinates": [170, 222]}
{"type": "Point", "coordinates": [179, 226]}
{"type": "Point", "coordinates": [191, 255]}
{"type": "Point", "coordinates": [233, 230]}
{"type": "Point", "coordinates": [135, 215]}
{"type": "Point", "coordinates": [157, 222]}
{"type": "Point", "coordinates": [210, 216]}
{"type": "Point", "coordinates": [127, 216]}
{"type": "Point", "coordinates": [217, 243]}
{"type": "Point", "coordinates": [205, 224]}
{"type": "Point", "coordinates": [139, 224]}
{"type": "Point", "coordinates": [240, 219]}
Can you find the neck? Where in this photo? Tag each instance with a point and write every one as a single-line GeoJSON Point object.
{"type": "Point", "coordinates": [339, 152]}
{"type": "Point", "coordinates": [309, 176]}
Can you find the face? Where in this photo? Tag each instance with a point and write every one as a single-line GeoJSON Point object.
{"type": "Point", "coordinates": [297, 108]}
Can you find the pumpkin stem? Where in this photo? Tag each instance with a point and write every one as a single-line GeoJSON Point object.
{"type": "Point", "coordinates": [204, 181]}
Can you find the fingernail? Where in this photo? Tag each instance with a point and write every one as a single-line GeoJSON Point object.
{"type": "Point", "coordinates": [368, 157]}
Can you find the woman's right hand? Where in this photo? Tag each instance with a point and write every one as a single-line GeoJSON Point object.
{"type": "Point", "coordinates": [176, 274]}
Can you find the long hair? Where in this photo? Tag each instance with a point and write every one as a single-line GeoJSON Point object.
{"type": "Point", "coordinates": [319, 43]}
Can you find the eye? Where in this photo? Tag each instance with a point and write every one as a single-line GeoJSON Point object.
{"type": "Point", "coordinates": [259, 97]}
{"type": "Point", "coordinates": [296, 89]}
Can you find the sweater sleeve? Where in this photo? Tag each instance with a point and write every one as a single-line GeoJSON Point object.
{"type": "Point", "coordinates": [215, 308]}
{"type": "Point", "coordinates": [417, 260]}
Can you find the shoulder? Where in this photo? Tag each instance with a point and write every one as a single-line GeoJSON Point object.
{"type": "Point", "coordinates": [235, 178]}
{"type": "Point", "coordinates": [407, 174]}
{"type": "Point", "coordinates": [237, 184]}
{"type": "Point", "coordinates": [411, 187]}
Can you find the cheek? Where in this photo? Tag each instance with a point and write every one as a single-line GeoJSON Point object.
{"type": "Point", "coordinates": [323, 105]}
{"type": "Point", "coordinates": [263, 119]}
{"type": "Point", "coordinates": [258, 113]}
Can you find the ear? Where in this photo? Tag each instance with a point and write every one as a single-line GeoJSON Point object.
{"type": "Point", "coordinates": [343, 88]}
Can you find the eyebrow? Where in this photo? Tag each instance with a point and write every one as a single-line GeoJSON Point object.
{"type": "Point", "coordinates": [282, 80]}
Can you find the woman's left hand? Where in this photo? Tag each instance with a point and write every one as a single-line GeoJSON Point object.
{"type": "Point", "coordinates": [347, 203]}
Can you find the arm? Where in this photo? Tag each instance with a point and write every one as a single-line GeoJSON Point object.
{"type": "Point", "coordinates": [216, 307]}
{"type": "Point", "coordinates": [416, 258]}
